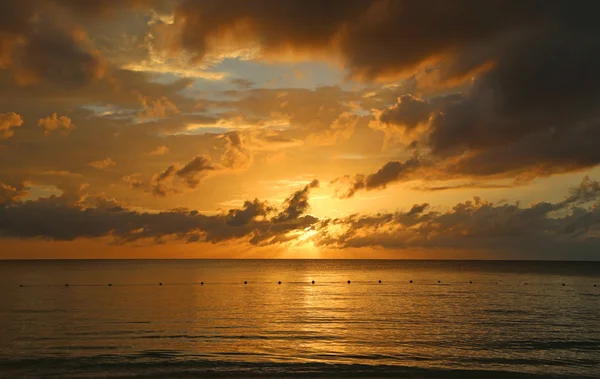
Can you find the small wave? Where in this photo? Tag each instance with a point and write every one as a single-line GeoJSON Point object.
{"type": "Point", "coordinates": [169, 364]}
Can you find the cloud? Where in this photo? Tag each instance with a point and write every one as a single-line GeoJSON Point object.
{"type": "Point", "coordinates": [569, 228]}
{"type": "Point", "coordinates": [189, 176]}
{"type": "Point", "coordinates": [520, 112]}
{"type": "Point", "coordinates": [341, 128]}
{"type": "Point", "coordinates": [103, 164]}
{"type": "Point", "coordinates": [390, 172]}
{"type": "Point", "coordinates": [373, 39]}
{"type": "Point", "coordinates": [10, 194]}
{"type": "Point", "coordinates": [237, 156]}
{"type": "Point", "coordinates": [51, 123]}
{"type": "Point", "coordinates": [35, 48]}
{"type": "Point", "coordinates": [242, 83]}
{"type": "Point", "coordinates": [85, 216]}
{"type": "Point", "coordinates": [251, 211]}
{"type": "Point", "coordinates": [195, 169]}
{"type": "Point", "coordinates": [8, 122]}
{"type": "Point", "coordinates": [563, 229]}
{"type": "Point", "coordinates": [134, 182]}
{"type": "Point", "coordinates": [160, 150]}
{"type": "Point", "coordinates": [297, 203]}
{"type": "Point", "coordinates": [408, 112]}
{"type": "Point", "coordinates": [159, 108]}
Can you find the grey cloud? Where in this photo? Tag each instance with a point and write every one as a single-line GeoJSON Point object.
{"type": "Point", "coordinates": [527, 69]}
{"type": "Point", "coordinates": [409, 111]}
{"type": "Point", "coordinates": [390, 172]}
{"type": "Point", "coordinates": [190, 174]}
{"type": "Point", "coordinates": [76, 214]}
{"type": "Point", "coordinates": [195, 169]}
{"type": "Point", "coordinates": [565, 229]}
{"type": "Point", "coordinates": [11, 193]}
{"type": "Point", "coordinates": [297, 203]}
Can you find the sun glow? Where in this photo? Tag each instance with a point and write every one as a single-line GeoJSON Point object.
{"type": "Point", "coordinates": [307, 235]}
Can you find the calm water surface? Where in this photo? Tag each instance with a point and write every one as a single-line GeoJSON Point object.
{"type": "Point", "coordinates": [484, 319]}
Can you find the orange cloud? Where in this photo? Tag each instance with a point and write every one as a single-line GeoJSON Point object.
{"type": "Point", "coordinates": [55, 123]}
{"type": "Point", "coordinates": [8, 122]}
{"type": "Point", "coordinates": [160, 150]}
{"type": "Point", "coordinates": [103, 164]}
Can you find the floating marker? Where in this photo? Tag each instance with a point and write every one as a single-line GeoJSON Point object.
{"type": "Point", "coordinates": [245, 282]}
{"type": "Point", "coordinates": [110, 285]}
{"type": "Point", "coordinates": [66, 285]}
{"type": "Point", "coordinates": [594, 285]}
{"type": "Point", "coordinates": [201, 283]}
{"type": "Point", "coordinates": [160, 284]}
{"type": "Point", "coordinates": [279, 282]}
{"type": "Point", "coordinates": [313, 282]}
{"type": "Point", "coordinates": [470, 282]}
{"type": "Point", "coordinates": [439, 282]}
{"type": "Point", "coordinates": [410, 282]}
{"type": "Point", "coordinates": [348, 282]}
{"type": "Point", "coordinates": [380, 281]}
{"type": "Point", "coordinates": [564, 284]}
{"type": "Point", "coordinates": [525, 283]}
{"type": "Point", "coordinates": [20, 285]}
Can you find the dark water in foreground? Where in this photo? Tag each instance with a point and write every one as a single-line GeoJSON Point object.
{"type": "Point", "coordinates": [495, 327]}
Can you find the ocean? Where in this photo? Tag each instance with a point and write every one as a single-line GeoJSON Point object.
{"type": "Point", "coordinates": [266, 318]}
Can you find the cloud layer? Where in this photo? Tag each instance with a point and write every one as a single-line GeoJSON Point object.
{"type": "Point", "coordinates": [568, 228]}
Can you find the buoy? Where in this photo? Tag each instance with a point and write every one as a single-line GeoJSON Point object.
{"type": "Point", "coordinates": [410, 282]}
{"type": "Point", "coordinates": [20, 285]}
{"type": "Point", "coordinates": [160, 284]}
{"type": "Point", "coordinates": [313, 282]}
{"type": "Point", "coordinates": [66, 285]}
{"type": "Point", "coordinates": [380, 281]}
{"type": "Point", "coordinates": [439, 282]}
{"type": "Point", "coordinates": [348, 282]}
{"type": "Point", "coordinates": [525, 283]}
{"type": "Point", "coordinates": [564, 284]}
{"type": "Point", "coordinates": [245, 282]}
{"type": "Point", "coordinates": [110, 285]}
{"type": "Point", "coordinates": [201, 283]}
{"type": "Point", "coordinates": [279, 282]}
{"type": "Point", "coordinates": [470, 282]}
{"type": "Point", "coordinates": [594, 285]}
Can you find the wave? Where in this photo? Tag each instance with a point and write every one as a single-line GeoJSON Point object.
{"type": "Point", "coordinates": [167, 364]}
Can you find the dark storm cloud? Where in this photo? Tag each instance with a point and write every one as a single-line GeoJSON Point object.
{"type": "Point", "coordinates": [75, 214]}
{"type": "Point", "coordinates": [36, 47]}
{"type": "Point", "coordinates": [530, 110]}
{"type": "Point", "coordinates": [408, 112]}
{"type": "Point", "coordinates": [376, 38]}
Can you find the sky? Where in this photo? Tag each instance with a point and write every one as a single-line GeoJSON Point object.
{"type": "Point", "coordinates": [299, 129]}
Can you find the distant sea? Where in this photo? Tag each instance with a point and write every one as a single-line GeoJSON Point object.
{"type": "Point", "coordinates": [360, 319]}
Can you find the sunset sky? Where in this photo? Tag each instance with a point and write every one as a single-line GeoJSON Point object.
{"type": "Point", "coordinates": [299, 129]}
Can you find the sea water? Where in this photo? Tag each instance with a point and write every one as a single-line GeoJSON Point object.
{"type": "Point", "coordinates": [362, 319]}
